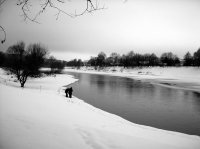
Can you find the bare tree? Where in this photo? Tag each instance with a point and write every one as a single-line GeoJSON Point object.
{"type": "Point", "coordinates": [34, 58]}
{"type": "Point", "coordinates": [25, 63]}
{"type": "Point", "coordinates": [15, 60]}
{"type": "Point", "coordinates": [188, 59]}
{"type": "Point", "coordinates": [31, 14]}
{"type": "Point", "coordinates": [101, 59]}
{"type": "Point", "coordinates": [169, 59]}
{"type": "Point", "coordinates": [197, 58]}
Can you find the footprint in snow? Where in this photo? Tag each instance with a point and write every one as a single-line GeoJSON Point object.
{"type": "Point", "coordinates": [90, 139]}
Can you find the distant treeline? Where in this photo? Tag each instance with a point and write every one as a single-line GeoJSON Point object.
{"type": "Point", "coordinates": [132, 59]}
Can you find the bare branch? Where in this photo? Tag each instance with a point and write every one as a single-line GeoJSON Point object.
{"type": "Point", "coordinates": [25, 9]}
{"type": "Point", "coordinates": [59, 10]}
{"type": "Point", "coordinates": [60, 1]}
{"type": "Point", "coordinates": [90, 7]}
{"type": "Point", "coordinates": [2, 41]}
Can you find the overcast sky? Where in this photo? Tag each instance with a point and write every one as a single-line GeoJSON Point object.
{"type": "Point", "coordinates": [144, 26]}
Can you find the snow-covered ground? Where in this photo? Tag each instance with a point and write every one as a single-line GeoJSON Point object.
{"type": "Point", "coordinates": [175, 77]}
{"type": "Point", "coordinates": [41, 117]}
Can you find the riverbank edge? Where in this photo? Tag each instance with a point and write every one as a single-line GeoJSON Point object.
{"type": "Point", "coordinates": [163, 81]}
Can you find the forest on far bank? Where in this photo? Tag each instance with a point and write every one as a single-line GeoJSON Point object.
{"type": "Point", "coordinates": [132, 59]}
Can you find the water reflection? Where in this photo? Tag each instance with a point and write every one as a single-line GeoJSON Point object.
{"type": "Point", "coordinates": [196, 94]}
{"type": "Point", "coordinates": [141, 102]}
{"type": "Point", "coordinates": [196, 103]}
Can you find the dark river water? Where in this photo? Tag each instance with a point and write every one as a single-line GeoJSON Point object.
{"type": "Point", "coordinates": [141, 102]}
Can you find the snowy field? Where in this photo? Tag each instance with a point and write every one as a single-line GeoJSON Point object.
{"type": "Point", "coordinates": [174, 77]}
{"type": "Point", "coordinates": [41, 117]}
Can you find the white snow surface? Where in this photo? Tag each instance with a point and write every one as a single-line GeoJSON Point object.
{"type": "Point", "coordinates": [41, 117]}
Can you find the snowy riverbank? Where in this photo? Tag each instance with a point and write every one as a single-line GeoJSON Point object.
{"type": "Point", "coordinates": [40, 116]}
{"type": "Point", "coordinates": [187, 78]}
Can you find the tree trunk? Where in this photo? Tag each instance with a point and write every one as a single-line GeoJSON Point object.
{"type": "Point", "coordinates": [22, 84]}
{"type": "Point", "coordinates": [23, 79]}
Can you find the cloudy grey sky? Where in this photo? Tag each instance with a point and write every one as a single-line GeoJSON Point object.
{"type": "Point", "coordinates": [144, 26]}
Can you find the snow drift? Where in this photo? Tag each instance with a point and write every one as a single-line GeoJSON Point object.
{"type": "Point", "coordinates": [41, 117]}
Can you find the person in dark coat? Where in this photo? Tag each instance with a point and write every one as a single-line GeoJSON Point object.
{"type": "Point", "coordinates": [70, 92]}
{"type": "Point", "coordinates": [66, 91]}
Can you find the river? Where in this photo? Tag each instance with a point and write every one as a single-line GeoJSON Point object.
{"type": "Point", "coordinates": [141, 102]}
